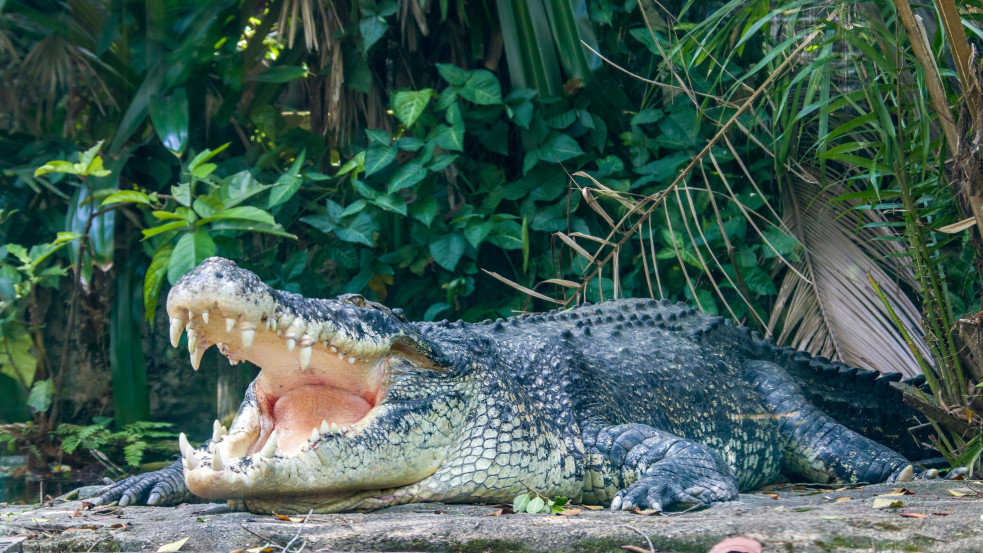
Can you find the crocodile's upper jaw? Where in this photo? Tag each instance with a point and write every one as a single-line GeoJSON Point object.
{"type": "Point", "coordinates": [310, 422]}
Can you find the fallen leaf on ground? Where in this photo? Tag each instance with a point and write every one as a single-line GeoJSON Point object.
{"type": "Point", "coordinates": [941, 514]}
{"type": "Point", "coordinates": [636, 549]}
{"type": "Point", "coordinates": [289, 519]}
{"type": "Point", "coordinates": [737, 545]}
{"type": "Point", "coordinates": [570, 513]}
{"type": "Point", "coordinates": [646, 512]}
{"type": "Point", "coordinates": [118, 525]}
{"type": "Point", "coordinates": [886, 504]}
{"type": "Point", "coordinates": [593, 507]}
{"type": "Point", "coordinates": [173, 546]}
{"type": "Point", "coordinates": [914, 515]}
{"type": "Point", "coordinates": [842, 499]}
{"type": "Point", "coordinates": [774, 496]}
{"type": "Point", "coordinates": [897, 491]}
{"type": "Point", "coordinates": [961, 492]}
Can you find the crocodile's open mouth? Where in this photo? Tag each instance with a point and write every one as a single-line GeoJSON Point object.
{"type": "Point", "coordinates": [324, 377]}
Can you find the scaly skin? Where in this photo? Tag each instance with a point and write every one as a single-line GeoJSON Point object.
{"type": "Point", "coordinates": [632, 403]}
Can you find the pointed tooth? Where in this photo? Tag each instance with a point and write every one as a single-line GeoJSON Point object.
{"type": "Point", "coordinates": [177, 327]}
{"type": "Point", "coordinates": [192, 341]}
{"type": "Point", "coordinates": [315, 436]}
{"type": "Point", "coordinates": [196, 358]}
{"type": "Point", "coordinates": [204, 316]}
{"type": "Point", "coordinates": [291, 343]}
{"type": "Point", "coordinates": [341, 355]}
{"type": "Point", "coordinates": [351, 360]}
{"type": "Point", "coordinates": [334, 349]}
{"type": "Point", "coordinates": [191, 461]}
{"type": "Point", "coordinates": [305, 357]}
{"type": "Point", "coordinates": [183, 445]}
{"type": "Point", "coordinates": [325, 429]}
{"type": "Point", "coordinates": [273, 324]}
{"type": "Point", "coordinates": [230, 323]}
{"type": "Point", "coordinates": [217, 460]}
{"type": "Point", "coordinates": [247, 338]}
{"type": "Point", "coordinates": [218, 431]}
{"type": "Point", "coordinates": [270, 448]}
{"type": "Point", "coordinates": [335, 429]}
{"type": "Point", "coordinates": [191, 315]}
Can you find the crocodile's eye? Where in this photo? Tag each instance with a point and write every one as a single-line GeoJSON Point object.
{"type": "Point", "coordinates": [357, 299]}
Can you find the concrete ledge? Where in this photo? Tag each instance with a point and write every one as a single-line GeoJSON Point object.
{"type": "Point", "coordinates": [803, 519]}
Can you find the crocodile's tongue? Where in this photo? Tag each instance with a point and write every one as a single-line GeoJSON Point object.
{"type": "Point", "coordinates": [299, 410]}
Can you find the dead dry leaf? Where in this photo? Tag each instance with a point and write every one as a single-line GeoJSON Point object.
{"type": "Point", "coordinates": [173, 546]}
{"type": "Point", "coordinates": [914, 515]}
{"type": "Point", "coordinates": [962, 492]}
{"type": "Point", "coordinates": [570, 512]}
{"type": "Point", "coordinates": [842, 499]}
{"type": "Point", "coordinates": [289, 519]}
{"type": "Point", "coordinates": [646, 512]}
{"type": "Point", "coordinates": [593, 507]}
{"type": "Point", "coordinates": [897, 491]}
{"type": "Point", "coordinates": [635, 549]}
{"type": "Point", "coordinates": [880, 503]}
{"type": "Point", "coordinates": [737, 545]}
{"type": "Point", "coordinates": [774, 496]}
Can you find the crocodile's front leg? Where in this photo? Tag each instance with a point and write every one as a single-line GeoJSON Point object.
{"type": "Point", "coordinates": [161, 487]}
{"type": "Point", "coordinates": [660, 470]}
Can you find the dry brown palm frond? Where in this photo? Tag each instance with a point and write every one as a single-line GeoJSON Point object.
{"type": "Point", "coordinates": [835, 313]}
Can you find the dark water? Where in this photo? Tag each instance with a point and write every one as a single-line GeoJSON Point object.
{"type": "Point", "coordinates": [18, 485]}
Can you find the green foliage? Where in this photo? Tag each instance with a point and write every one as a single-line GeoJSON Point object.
{"type": "Point", "coordinates": [534, 503]}
{"type": "Point", "coordinates": [130, 443]}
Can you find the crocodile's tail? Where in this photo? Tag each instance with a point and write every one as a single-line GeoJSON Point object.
{"type": "Point", "coordinates": [860, 399]}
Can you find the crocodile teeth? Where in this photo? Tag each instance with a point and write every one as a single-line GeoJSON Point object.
{"type": "Point", "coordinates": [334, 349]}
{"type": "Point", "coordinates": [341, 355]}
{"type": "Point", "coordinates": [218, 431]}
{"type": "Point", "coordinates": [191, 461]}
{"type": "Point", "coordinates": [325, 429]}
{"type": "Point", "coordinates": [315, 436]}
{"type": "Point", "coordinates": [204, 316]}
{"type": "Point", "coordinates": [305, 357]}
{"type": "Point", "coordinates": [177, 327]}
{"type": "Point", "coordinates": [247, 338]}
{"type": "Point", "coordinates": [351, 360]}
{"type": "Point", "coordinates": [270, 448]}
{"type": "Point", "coordinates": [229, 324]}
{"type": "Point", "coordinates": [192, 341]}
{"type": "Point", "coordinates": [183, 445]}
{"type": "Point", "coordinates": [217, 460]}
{"type": "Point", "coordinates": [291, 343]}
{"type": "Point", "coordinates": [196, 358]}
{"type": "Point", "coordinates": [335, 429]}
{"type": "Point", "coordinates": [273, 324]}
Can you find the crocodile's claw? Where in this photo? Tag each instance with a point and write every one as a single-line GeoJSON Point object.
{"type": "Point", "coordinates": [162, 487]}
{"type": "Point", "coordinates": [909, 473]}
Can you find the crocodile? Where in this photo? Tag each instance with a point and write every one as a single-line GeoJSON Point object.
{"type": "Point", "coordinates": [633, 403]}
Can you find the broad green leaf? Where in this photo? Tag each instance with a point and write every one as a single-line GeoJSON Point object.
{"type": "Point", "coordinates": [520, 502]}
{"type": "Point", "coordinates": [447, 249]}
{"type": "Point", "coordinates": [132, 196]}
{"type": "Point", "coordinates": [238, 188]}
{"type": "Point", "coordinates": [371, 29]}
{"type": "Point", "coordinates": [289, 183]}
{"type": "Point", "coordinates": [281, 74]}
{"type": "Point", "coordinates": [453, 74]}
{"type": "Point", "coordinates": [356, 164]}
{"type": "Point", "coordinates": [169, 116]}
{"type": "Point", "coordinates": [206, 155]}
{"type": "Point", "coordinates": [758, 281]}
{"type": "Point", "coordinates": [56, 166]}
{"type": "Point", "coordinates": [482, 88]}
{"type": "Point", "coordinates": [476, 232]}
{"type": "Point", "coordinates": [378, 157]}
{"type": "Point", "coordinates": [559, 148]}
{"type": "Point", "coordinates": [245, 212]}
{"type": "Point", "coordinates": [39, 399]}
{"type": "Point", "coordinates": [407, 175]}
{"type": "Point", "coordinates": [358, 231]}
{"type": "Point", "coordinates": [182, 193]}
{"type": "Point", "coordinates": [154, 231]}
{"type": "Point", "coordinates": [424, 209]}
{"type": "Point", "coordinates": [409, 105]}
{"type": "Point", "coordinates": [645, 116]}
{"type": "Point", "coordinates": [451, 137]}
{"type": "Point", "coordinates": [153, 281]}
{"type": "Point", "coordinates": [535, 505]}
{"type": "Point", "coordinates": [191, 249]}
{"type": "Point", "coordinates": [16, 359]}
{"type": "Point", "coordinates": [390, 202]}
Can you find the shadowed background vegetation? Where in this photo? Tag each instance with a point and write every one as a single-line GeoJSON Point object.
{"type": "Point", "coordinates": [806, 168]}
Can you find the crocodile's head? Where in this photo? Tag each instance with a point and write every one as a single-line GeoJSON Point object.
{"type": "Point", "coordinates": [352, 407]}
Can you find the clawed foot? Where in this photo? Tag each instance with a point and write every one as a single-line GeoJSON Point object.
{"type": "Point", "coordinates": [162, 487]}
{"type": "Point", "coordinates": [908, 474]}
{"type": "Point", "coordinates": [661, 493]}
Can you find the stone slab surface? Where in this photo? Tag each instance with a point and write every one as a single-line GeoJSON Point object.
{"type": "Point", "coordinates": [789, 519]}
